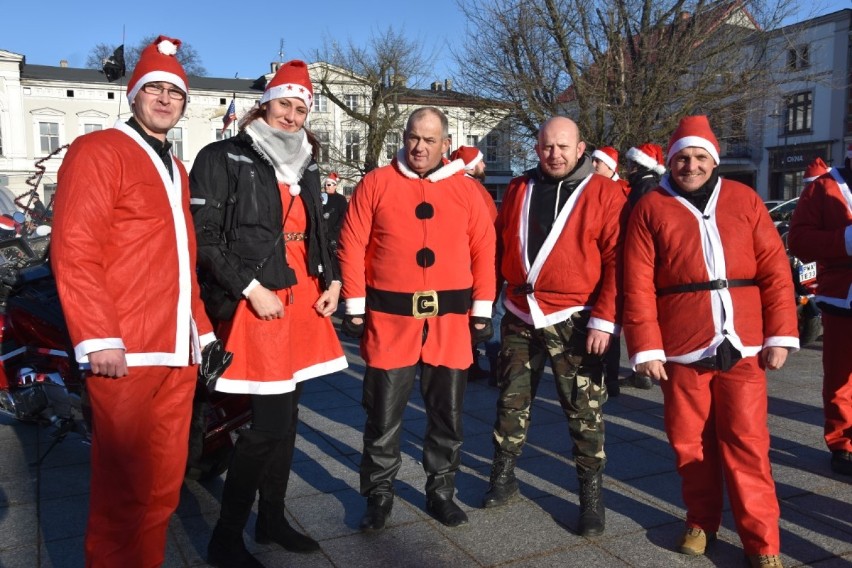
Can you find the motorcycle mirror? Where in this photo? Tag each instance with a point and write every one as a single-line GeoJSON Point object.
{"type": "Point", "coordinates": [18, 217]}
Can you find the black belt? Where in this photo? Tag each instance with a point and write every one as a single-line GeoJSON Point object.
{"type": "Point", "coordinates": [422, 304]}
{"type": "Point", "coordinates": [711, 285]}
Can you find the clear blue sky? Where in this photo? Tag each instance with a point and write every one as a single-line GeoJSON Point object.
{"type": "Point", "coordinates": [240, 37]}
{"type": "Point", "coordinates": [231, 37]}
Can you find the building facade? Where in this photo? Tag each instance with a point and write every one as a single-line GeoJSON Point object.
{"type": "Point", "coordinates": [43, 108]}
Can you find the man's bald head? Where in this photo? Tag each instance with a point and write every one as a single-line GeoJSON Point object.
{"type": "Point", "coordinates": [559, 147]}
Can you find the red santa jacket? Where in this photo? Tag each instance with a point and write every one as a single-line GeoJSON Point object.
{"type": "Point", "coordinates": [671, 243]}
{"type": "Point", "coordinates": [486, 198]}
{"type": "Point", "coordinates": [123, 252]}
{"type": "Point", "coordinates": [404, 237]}
{"type": "Point", "coordinates": [821, 231]}
{"type": "Point", "coordinates": [578, 266]}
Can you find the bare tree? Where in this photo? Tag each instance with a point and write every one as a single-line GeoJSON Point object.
{"type": "Point", "coordinates": [626, 70]}
{"type": "Point", "coordinates": [376, 76]}
{"type": "Point", "coordinates": [187, 55]}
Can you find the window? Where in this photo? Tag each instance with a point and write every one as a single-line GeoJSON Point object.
{"type": "Point", "coordinates": [393, 143]}
{"type": "Point", "coordinates": [222, 135]}
{"type": "Point", "coordinates": [92, 128]}
{"type": "Point", "coordinates": [69, 93]}
{"type": "Point", "coordinates": [324, 139]}
{"type": "Point", "coordinates": [175, 136]}
{"type": "Point", "coordinates": [472, 140]}
{"type": "Point", "coordinates": [798, 58]}
{"type": "Point", "coordinates": [49, 136]}
{"type": "Point", "coordinates": [320, 103]}
{"type": "Point", "coordinates": [1, 141]}
{"type": "Point", "coordinates": [49, 190]}
{"type": "Point", "coordinates": [353, 146]}
{"type": "Point", "coordinates": [491, 142]}
{"type": "Point", "coordinates": [800, 110]}
{"type": "Point", "coordinates": [351, 102]}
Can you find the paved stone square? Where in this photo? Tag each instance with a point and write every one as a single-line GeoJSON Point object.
{"type": "Point", "coordinates": [43, 509]}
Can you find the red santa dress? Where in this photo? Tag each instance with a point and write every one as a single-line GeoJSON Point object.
{"type": "Point", "coordinates": [271, 357]}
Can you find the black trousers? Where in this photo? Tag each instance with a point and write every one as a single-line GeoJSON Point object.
{"type": "Point", "coordinates": [386, 394]}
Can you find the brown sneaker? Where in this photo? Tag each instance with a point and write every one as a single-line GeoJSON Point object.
{"type": "Point", "coordinates": [694, 541]}
{"type": "Point", "coordinates": [758, 560]}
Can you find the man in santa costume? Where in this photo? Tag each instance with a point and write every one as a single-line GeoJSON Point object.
{"type": "Point", "coordinates": [123, 253]}
{"type": "Point", "coordinates": [417, 256]}
{"type": "Point", "coordinates": [821, 231]}
{"type": "Point", "coordinates": [474, 168]}
{"type": "Point", "coordinates": [559, 232]}
{"type": "Point", "coordinates": [708, 307]}
{"type": "Point", "coordinates": [605, 162]}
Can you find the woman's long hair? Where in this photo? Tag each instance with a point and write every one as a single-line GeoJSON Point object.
{"type": "Point", "coordinates": [259, 111]}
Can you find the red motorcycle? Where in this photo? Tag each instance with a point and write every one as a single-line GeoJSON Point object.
{"type": "Point", "coordinates": [40, 380]}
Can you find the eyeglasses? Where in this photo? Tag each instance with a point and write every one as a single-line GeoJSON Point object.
{"type": "Point", "coordinates": [157, 89]}
{"type": "Point", "coordinates": [330, 184]}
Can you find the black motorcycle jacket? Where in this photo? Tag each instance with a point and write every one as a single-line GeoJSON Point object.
{"type": "Point", "coordinates": [237, 210]}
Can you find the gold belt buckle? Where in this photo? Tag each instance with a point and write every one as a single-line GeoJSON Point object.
{"type": "Point", "coordinates": [424, 304]}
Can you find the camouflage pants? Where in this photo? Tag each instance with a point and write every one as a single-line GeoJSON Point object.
{"type": "Point", "coordinates": [579, 383]}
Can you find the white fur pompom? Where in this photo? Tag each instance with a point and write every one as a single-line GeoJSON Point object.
{"type": "Point", "coordinates": [295, 189]}
{"type": "Point", "coordinates": [166, 47]}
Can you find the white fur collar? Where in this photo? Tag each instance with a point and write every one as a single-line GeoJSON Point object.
{"type": "Point", "coordinates": [447, 170]}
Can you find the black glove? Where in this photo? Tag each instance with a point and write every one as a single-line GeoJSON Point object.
{"type": "Point", "coordinates": [214, 361]}
{"type": "Point", "coordinates": [355, 330]}
{"type": "Point", "coordinates": [480, 335]}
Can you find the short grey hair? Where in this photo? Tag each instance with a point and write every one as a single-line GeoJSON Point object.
{"type": "Point", "coordinates": [421, 112]}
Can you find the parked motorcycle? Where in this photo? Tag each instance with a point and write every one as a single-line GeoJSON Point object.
{"type": "Point", "coordinates": [805, 285]}
{"type": "Point", "coordinates": [40, 380]}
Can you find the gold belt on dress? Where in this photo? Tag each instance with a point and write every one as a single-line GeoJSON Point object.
{"type": "Point", "coordinates": [295, 236]}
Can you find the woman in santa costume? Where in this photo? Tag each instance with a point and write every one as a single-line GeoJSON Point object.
{"type": "Point", "coordinates": [123, 253]}
{"type": "Point", "coordinates": [821, 231]}
{"type": "Point", "coordinates": [708, 308]}
{"type": "Point", "coordinates": [262, 238]}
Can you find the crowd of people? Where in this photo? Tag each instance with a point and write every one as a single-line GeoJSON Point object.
{"type": "Point", "coordinates": [253, 251]}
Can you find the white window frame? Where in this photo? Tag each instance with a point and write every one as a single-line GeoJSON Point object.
{"type": "Point", "coordinates": [47, 115]}
{"type": "Point", "coordinates": [320, 103]}
{"type": "Point", "coordinates": [178, 149]}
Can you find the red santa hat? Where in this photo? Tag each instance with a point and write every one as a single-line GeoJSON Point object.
{"type": "Point", "coordinates": [7, 223]}
{"type": "Point", "coordinates": [648, 156]}
{"type": "Point", "coordinates": [470, 155]}
{"type": "Point", "coordinates": [814, 170]}
{"type": "Point", "coordinates": [291, 81]}
{"type": "Point", "coordinates": [694, 131]}
{"type": "Point", "coordinates": [332, 178]}
{"type": "Point", "coordinates": [158, 62]}
{"type": "Point", "coordinates": [608, 155]}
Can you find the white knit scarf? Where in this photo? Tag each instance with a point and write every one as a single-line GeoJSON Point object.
{"type": "Point", "coordinates": [289, 153]}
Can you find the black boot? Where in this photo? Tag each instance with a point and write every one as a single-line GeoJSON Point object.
{"type": "Point", "coordinates": [379, 508]}
{"type": "Point", "coordinates": [272, 526]}
{"type": "Point", "coordinates": [592, 512]}
{"type": "Point", "coordinates": [503, 485]}
{"type": "Point", "coordinates": [227, 550]}
{"type": "Point", "coordinates": [446, 511]}
{"type": "Point", "coordinates": [251, 453]}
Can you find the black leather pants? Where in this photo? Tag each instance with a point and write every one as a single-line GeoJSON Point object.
{"type": "Point", "coordinates": [386, 394]}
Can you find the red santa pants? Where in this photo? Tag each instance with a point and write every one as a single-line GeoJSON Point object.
{"type": "Point", "coordinates": [837, 382]}
{"type": "Point", "coordinates": [716, 423]}
{"type": "Point", "coordinates": [139, 447]}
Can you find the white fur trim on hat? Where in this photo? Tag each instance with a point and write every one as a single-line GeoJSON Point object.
{"type": "Point", "coordinates": [288, 91]}
{"type": "Point", "coordinates": [152, 77]}
{"type": "Point", "coordinates": [469, 167]}
{"type": "Point", "coordinates": [605, 159]}
{"type": "Point", "coordinates": [636, 155]}
{"type": "Point", "coordinates": [695, 142]}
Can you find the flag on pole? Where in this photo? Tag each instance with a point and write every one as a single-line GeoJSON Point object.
{"type": "Point", "coordinates": [114, 64]}
{"type": "Point", "coordinates": [230, 115]}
